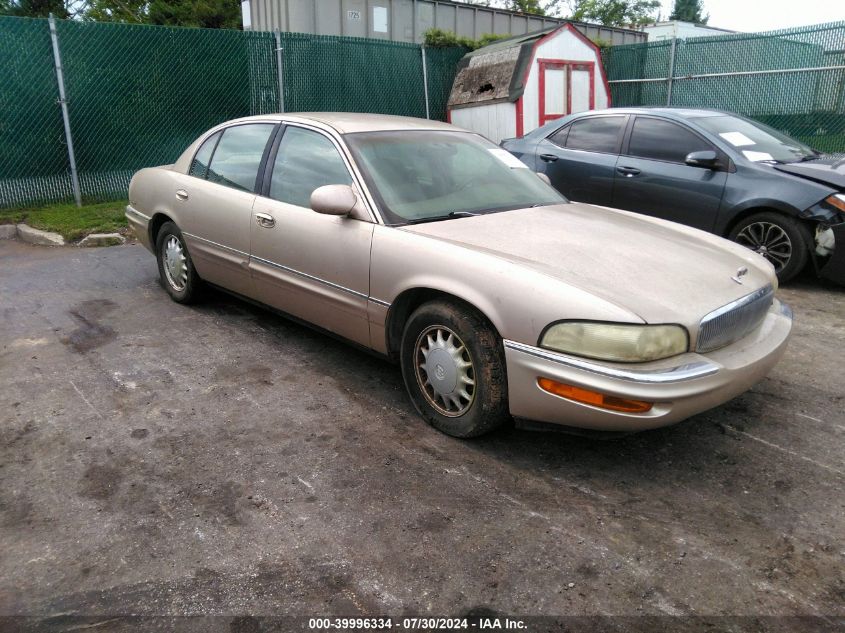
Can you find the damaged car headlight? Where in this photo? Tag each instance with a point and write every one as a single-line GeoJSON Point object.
{"type": "Point", "coordinates": [619, 342]}
{"type": "Point", "coordinates": [837, 201]}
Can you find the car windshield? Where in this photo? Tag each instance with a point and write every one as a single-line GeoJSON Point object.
{"type": "Point", "coordinates": [421, 176]}
{"type": "Point", "coordinates": [757, 142]}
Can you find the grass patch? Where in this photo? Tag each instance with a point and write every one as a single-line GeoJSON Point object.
{"type": "Point", "coordinates": [69, 221]}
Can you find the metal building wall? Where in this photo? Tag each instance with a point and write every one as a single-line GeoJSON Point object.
{"type": "Point", "coordinates": [407, 20]}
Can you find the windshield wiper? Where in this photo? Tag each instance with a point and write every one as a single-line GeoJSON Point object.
{"type": "Point", "coordinates": [449, 216]}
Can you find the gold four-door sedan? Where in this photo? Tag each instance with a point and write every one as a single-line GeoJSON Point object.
{"type": "Point", "coordinates": [430, 245]}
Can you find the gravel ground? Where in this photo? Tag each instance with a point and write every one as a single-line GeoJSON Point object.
{"type": "Point", "coordinates": [218, 460]}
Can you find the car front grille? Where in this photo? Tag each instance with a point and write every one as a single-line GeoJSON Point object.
{"type": "Point", "coordinates": [735, 320]}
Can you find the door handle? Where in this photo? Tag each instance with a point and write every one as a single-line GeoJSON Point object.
{"type": "Point", "coordinates": [181, 194]}
{"type": "Point", "coordinates": [265, 220]}
{"type": "Point", "coordinates": [549, 158]}
{"type": "Point", "coordinates": [628, 172]}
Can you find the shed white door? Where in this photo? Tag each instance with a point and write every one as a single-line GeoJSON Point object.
{"type": "Point", "coordinates": [565, 87]}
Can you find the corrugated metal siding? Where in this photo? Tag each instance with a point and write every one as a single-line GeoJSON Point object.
{"type": "Point", "coordinates": [407, 20]}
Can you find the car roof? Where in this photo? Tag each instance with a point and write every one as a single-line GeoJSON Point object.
{"type": "Point", "coordinates": [681, 113]}
{"type": "Point", "coordinates": [352, 122]}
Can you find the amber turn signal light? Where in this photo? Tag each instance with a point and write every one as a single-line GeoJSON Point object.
{"type": "Point", "coordinates": [585, 396]}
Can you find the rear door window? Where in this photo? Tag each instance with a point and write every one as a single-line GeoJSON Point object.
{"type": "Point", "coordinates": [238, 155]}
{"type": "Point", "coordinates": [596, 134]}
{"type": "Point", "coordinates": [663, 140]}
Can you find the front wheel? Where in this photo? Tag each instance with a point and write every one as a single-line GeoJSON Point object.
{"type": "Point", "coordinates": [782, 240]}
{"type": "Point", "coordinates": [454, 369]}
{"type": "Point", "coordinates": [175, 266]}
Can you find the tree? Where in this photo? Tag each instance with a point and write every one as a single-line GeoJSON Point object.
{"type": "Point", "coordinates": [35, 8]}
{"type": "Point", "coordinates": [616, 12]}
{"type": "Point", "coordinates": [536, 7]}
{"type": "Point", "coordinates": [689, 11]}
{"type": "Point", "coordinates": [128, 11]}
{"type": "Point", "coordinates": [527, 6]}
{"type": "Point", "coordinates": [209, 14]}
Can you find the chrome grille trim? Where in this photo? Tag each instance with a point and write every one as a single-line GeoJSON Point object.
{"type": "Point", "coordinates": [735, 320]}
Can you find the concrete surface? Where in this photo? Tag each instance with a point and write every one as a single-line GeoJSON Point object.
{"type": "Point", "coordinates": [220, 460]}
{"type": "Point", "coordinates": [8, 231]}
{"type": "Point", "coordinates": [39, 237]}
{"type": "Point", "coordinates": [102, 239]}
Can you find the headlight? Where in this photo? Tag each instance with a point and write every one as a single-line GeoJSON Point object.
{"type": "Point", "coordinates": [837, 201]}
{"type": "Point", "coordinates": [616, 342]}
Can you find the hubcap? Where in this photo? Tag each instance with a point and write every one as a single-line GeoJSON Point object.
{"type": "Point", "coordinates": [768, 239]}
{"type": "Point", "coordinates": [444, 370]}
{"type": "Point", "coordinates": [175, 263]}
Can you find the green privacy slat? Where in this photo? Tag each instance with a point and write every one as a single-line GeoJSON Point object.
{"type": "Point", "coordinates": [138, 95]}
{"type": "Point", "coordinates": [809, 104]}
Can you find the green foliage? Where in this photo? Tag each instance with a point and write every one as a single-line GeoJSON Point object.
{"type": "Point", "coordinates": [69, 221]}
{"type": "Point", "coordinates": [209, 14]}
{"type": "Point", "coordinates": [34, 8]}
{"type": "Point", "coordinates": [527, 6]}
{"type": "Point", "coordinates": [689, 11]}
{"type": "Point", "coordinates": [616, 12]}
{"type": "Point", "coordinates": [438, 38]}
{"type": "Point", "coordinates": [602, 44]}
{"type": "Point", "coordinates": [127, 11]}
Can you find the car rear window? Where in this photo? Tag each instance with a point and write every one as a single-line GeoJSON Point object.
{"type": "Point", "coordinates": [238, 155]}
{"type": "Point", "coordinates": [664, 140]}
{"type": "Point", "coordinates": [596, 134]}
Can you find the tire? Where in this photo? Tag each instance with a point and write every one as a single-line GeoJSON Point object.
{"type": "Point", "coordinates": [179, 278]}
{"type": "Point", "coordinates": [456, 335]}
{"type": "Point", "coordinates": [772, 235]}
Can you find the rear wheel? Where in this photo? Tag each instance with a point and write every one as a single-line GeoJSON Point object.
{"type": "Point", "coordinates": [175, 267]}
{"type": "Point", "coordinates": [782, 240]}
{"type": "Point", "coordinates": [454, 369]}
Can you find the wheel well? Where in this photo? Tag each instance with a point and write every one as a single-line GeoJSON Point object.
{"type": "Point", "coordinates": [405, 304]}
{"type": "Point", "coordinates": [156, 223]}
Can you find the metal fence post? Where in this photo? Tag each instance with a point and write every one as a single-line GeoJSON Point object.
{"type": "Point", "coordinates": [425, 80]}
{"type": "Point", "coordinates": [60, 78]}
{"type": "Point", "coordinates": [280, 69]}
{"type": "Point", "coordinates": [671, 75]}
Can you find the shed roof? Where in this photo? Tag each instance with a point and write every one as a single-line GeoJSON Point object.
{"type": "Point", "coordinates": [495, 72]}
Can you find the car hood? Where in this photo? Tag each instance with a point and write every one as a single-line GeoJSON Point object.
{"type": "Point", "coordinates": [827, 171]}
{"type": "Point", "coordinates": [661, 271]}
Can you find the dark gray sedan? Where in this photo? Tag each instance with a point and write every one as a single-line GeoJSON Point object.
{"type": "Point", "coordinates": [713, 170]}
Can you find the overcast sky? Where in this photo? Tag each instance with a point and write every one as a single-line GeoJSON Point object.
{"type": "Point", "coordinates": [765, 15]}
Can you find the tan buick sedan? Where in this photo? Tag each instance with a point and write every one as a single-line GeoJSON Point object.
{"type": "Point", "coordinates": [430, 245]}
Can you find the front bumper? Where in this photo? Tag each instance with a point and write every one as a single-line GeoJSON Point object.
{"type": "Point", "coordinates": [679, 387]}
{"type": "Point", "coordinates": [834, 268]}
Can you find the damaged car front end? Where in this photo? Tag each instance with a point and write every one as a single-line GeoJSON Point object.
{"type": "Point", "coordinates": [829, 248]}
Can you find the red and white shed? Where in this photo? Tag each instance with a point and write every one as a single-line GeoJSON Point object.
{"type": "Point", "coordinates": [510, 87]}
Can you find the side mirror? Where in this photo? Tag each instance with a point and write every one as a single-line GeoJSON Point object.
{"type": "Point", "coordinates": [544, 178]}
{"type": "Point", "coordinates": [706, 159]}
{"type": "Point", "coordinates": [334, 199]}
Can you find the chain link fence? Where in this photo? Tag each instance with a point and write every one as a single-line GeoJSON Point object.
{"type": "Point", "coordinates": [137, 95]}
{"type": "Point", "coordinates": [792, 80]}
